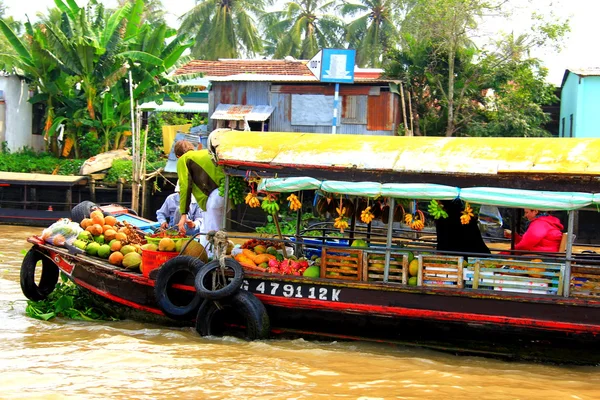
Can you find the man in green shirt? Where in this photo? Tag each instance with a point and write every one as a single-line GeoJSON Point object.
{"type": "Point", "coordinates": [199, 177]}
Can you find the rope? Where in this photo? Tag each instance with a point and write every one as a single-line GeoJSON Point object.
{"type": "Point", "coordinates": [219, 241]}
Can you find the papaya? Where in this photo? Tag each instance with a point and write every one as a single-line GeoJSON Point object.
{"type": "Point", "coordinates": [250, 254]}
{"type": "Point", "coordinates": [262, 258]}
{"type": "Point", "coordinates": [245, 260]}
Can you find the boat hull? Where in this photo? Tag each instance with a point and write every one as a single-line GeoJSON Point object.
{"type": "Point", "coordinates": [549, 328]}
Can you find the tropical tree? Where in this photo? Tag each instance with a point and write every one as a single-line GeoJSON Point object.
{"type": "Point", "coordinates": [373, 33]}
{"type": "Point", "coordinates": [454, 70]}
{"type": "Point", "coordinates": [80, 66]}
{"type": "Point", "coordinates": [303, 28]}
{"type": "Point", "coordinates": [224, 28]}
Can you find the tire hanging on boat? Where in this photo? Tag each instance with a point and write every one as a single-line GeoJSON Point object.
{"type": "Point", "coordinates": [243, 307]}
{"type": "Point", "coordinates": [204, 280]}
{"type": "Point", "coordinates": [82, 211]}
{"type": "Point", "coordinates": [48, 280]}
{"type": "Point", "coordinates": [176, 303]}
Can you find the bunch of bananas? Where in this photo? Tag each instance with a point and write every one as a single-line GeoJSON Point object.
{"type": "Point", "coordinates": [467, 213]}
{"type": "Point", "coordinates": [270, 206]}
{"type": "Point", "coordinates": [295, 203]}
{"type": "Point", "coordinates": [436, 210]}
{"type": "Point", "coordinates": [252, 200]}
{"type": "Point", "coordinates": [341, 210]}
{"type": "Point", "coordinates": [340, 223]}
{"type": "Point", "coordinates": [366, 215]}
{"type": "Point", "coordinates": [417, 222]}
{"type": "Point", "coordinates": [237, 187]}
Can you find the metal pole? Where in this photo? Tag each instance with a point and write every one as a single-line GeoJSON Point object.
{"type": "Point", "coordinates": [335, 108]}
{"type": "Point", "coordinates": [226, 202]}
{"type": "Point", "coordinates": [388, 243]}
{"type": "Point", "coordinates": [569, 249]}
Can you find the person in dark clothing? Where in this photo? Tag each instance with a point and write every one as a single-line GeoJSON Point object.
{"type": "Point", "coordinates": [452, 235]}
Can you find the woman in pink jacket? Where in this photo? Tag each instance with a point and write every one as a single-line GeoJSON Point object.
{"type": "Point", "coordinates": [543, 234]}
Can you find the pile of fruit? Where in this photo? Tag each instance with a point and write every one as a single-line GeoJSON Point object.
{"type": "Point", "coordinates": [255, 256]}
{"type": "Point", "coordinates": [107, 238]}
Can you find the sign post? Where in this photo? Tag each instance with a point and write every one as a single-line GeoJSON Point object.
{"type": "Point", "coordinates": [334, 66]}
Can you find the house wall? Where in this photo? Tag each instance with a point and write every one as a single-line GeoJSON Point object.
{"type": "Point", "coordinates": [568, 105]}
{"type": "Point", "coordinates": [16, 116]}
{"type": "Point", "coordinates": [588, 122]}
{"type": "Point", "coordinates": [579, 101]}
{"type": "Point", "coordinates": [363, 109]}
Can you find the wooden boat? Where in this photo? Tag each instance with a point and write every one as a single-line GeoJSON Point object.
{"type": "Point", "coordinates": [510, 306]}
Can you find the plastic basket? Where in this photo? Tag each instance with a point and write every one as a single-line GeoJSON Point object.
{"type": "Point", "coordinates": [154, 259]}
{"type": "Point", "coordinates": [156, 240]}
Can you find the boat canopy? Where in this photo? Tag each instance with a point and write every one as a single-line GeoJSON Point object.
{"type": "Point", "coordinates": [538, 173]}
{"type": "Point", "coordinates": [503, 197]}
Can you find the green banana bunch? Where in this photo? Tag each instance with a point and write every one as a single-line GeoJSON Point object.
{"type": "Point", "coordinates": [436, 210]}
{"type": "Point", "coordinates": [237, 189]}
{"type": "Point", "coordinates": [270, 206]}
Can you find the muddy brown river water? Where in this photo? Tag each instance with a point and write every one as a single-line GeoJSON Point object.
{"type": "Point", "coordinates": [64, 359]}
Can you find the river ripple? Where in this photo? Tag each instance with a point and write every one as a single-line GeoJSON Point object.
{"type": "Point", "coordinates": [63, 359]}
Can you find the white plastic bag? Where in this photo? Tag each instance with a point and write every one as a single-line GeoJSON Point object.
{"type": "Point", "coordinates": [62, 231]}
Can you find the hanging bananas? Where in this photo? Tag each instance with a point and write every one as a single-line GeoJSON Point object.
{"type": "Point", "coordinates": [252, 200]}
{"type": "Point", "coordinates": [467, 213]}
{"type": "Point", "coordinates": [295, 203]}
{"type": "Point", "coordinates": [366, 215]}
{"type": "Point", "coordinates": [436, 210]}
{"type": "Point", "coordinates": [269, 205]}
{"type": "Point", "coordinates": [340, 223]}
{"type": "Point", "coordinates": [415, 222]}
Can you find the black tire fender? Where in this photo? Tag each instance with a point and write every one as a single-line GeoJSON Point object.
{"type": "Point", "coordinates": [204, 280]}
{"type": "Point", "coordinates": [82, 210]}
{"type": "Point", "coordinates": [175, 270]}
{"type": "Point", "coordinates": [246, 305]}
{"type": "Point", "coordinates": [48, 280]}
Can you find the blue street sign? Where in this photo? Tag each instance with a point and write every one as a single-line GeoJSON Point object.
{"type": "Point", "coordinates": [337, 65]}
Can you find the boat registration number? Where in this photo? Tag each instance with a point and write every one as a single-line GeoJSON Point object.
{"type": "Point", "coordinates": [292, 290]}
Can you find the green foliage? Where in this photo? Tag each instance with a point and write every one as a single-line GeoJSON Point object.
{"type": "Point", "coordinates": [288, 224]}
{"type": "Point", "coordinates": [119, 169]}
{"type": "Point", "coordinates": [67, 301]}
{"type": "Point", "coordinates": [224, 29]}
{"type": "Point", "coordinates": [43, 163]}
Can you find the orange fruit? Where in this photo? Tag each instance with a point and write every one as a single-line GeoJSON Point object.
{"type": "Point", "coordinates": [97, 217]}
{"type": "Point", "coordinates": [120, 236]}
{"type": "Point", "coordinates": [86, 222]}
{"type": "Point", "coordinates": [110, 220]}
{"type": "Point", "coordinates": [115, 258]}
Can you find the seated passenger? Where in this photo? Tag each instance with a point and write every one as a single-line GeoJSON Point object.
{"type": "Point", "coordinates": [543, 234]}
{"type": "Point", "coordinates": [168, 215]}
{"type": "Point", "coordinates": [452, 235]}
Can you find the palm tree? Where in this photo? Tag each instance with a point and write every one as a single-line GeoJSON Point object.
{"type": "Point", "coordinates": [302, 28]}
{"type": "Point", "coordinates": [224, 28]}
{"type": "Point", "coordinates": [374, 32]}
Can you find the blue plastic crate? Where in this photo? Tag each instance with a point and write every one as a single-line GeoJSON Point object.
{"type": "Point", "coordinates": [142, 223]}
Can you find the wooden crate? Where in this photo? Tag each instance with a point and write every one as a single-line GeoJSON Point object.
{"type": "Point", "coordinates": [440, 271]}
{"type": "Point", "coordinates": [375, 267]}
{"type": "Point", "coordinates": [516, 276]}
{"type": "Point", "coordinates": [585, 281]}
{"type": "Point", "coordinates": [344, 264]}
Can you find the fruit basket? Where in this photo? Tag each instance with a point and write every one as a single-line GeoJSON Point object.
{"type": "Point", "coordinates": [156, 240]}
{"type": "Point", "coordinates": [154, 259]}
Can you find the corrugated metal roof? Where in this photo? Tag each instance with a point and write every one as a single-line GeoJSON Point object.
{"type": "Point", "coordinates": [240, 112]}
{"type": "Point", "coordinates": [171, 106]}
{"type": "Point", "coordinates": [409, 155]}
{"type": "Point", "coordinates": [583, 72]}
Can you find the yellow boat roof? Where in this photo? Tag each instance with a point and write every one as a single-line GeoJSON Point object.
{"type": "Point", "coordinates": [551, 164]}
{"type": "Point", "coordinates": [439, 155]}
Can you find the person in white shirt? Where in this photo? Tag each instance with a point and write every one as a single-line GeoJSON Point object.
{"type": "Point", "coordinates": [168, 215]}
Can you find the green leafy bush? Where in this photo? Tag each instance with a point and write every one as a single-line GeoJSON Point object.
{"type": "Point", "coordinates": [29, 161]}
